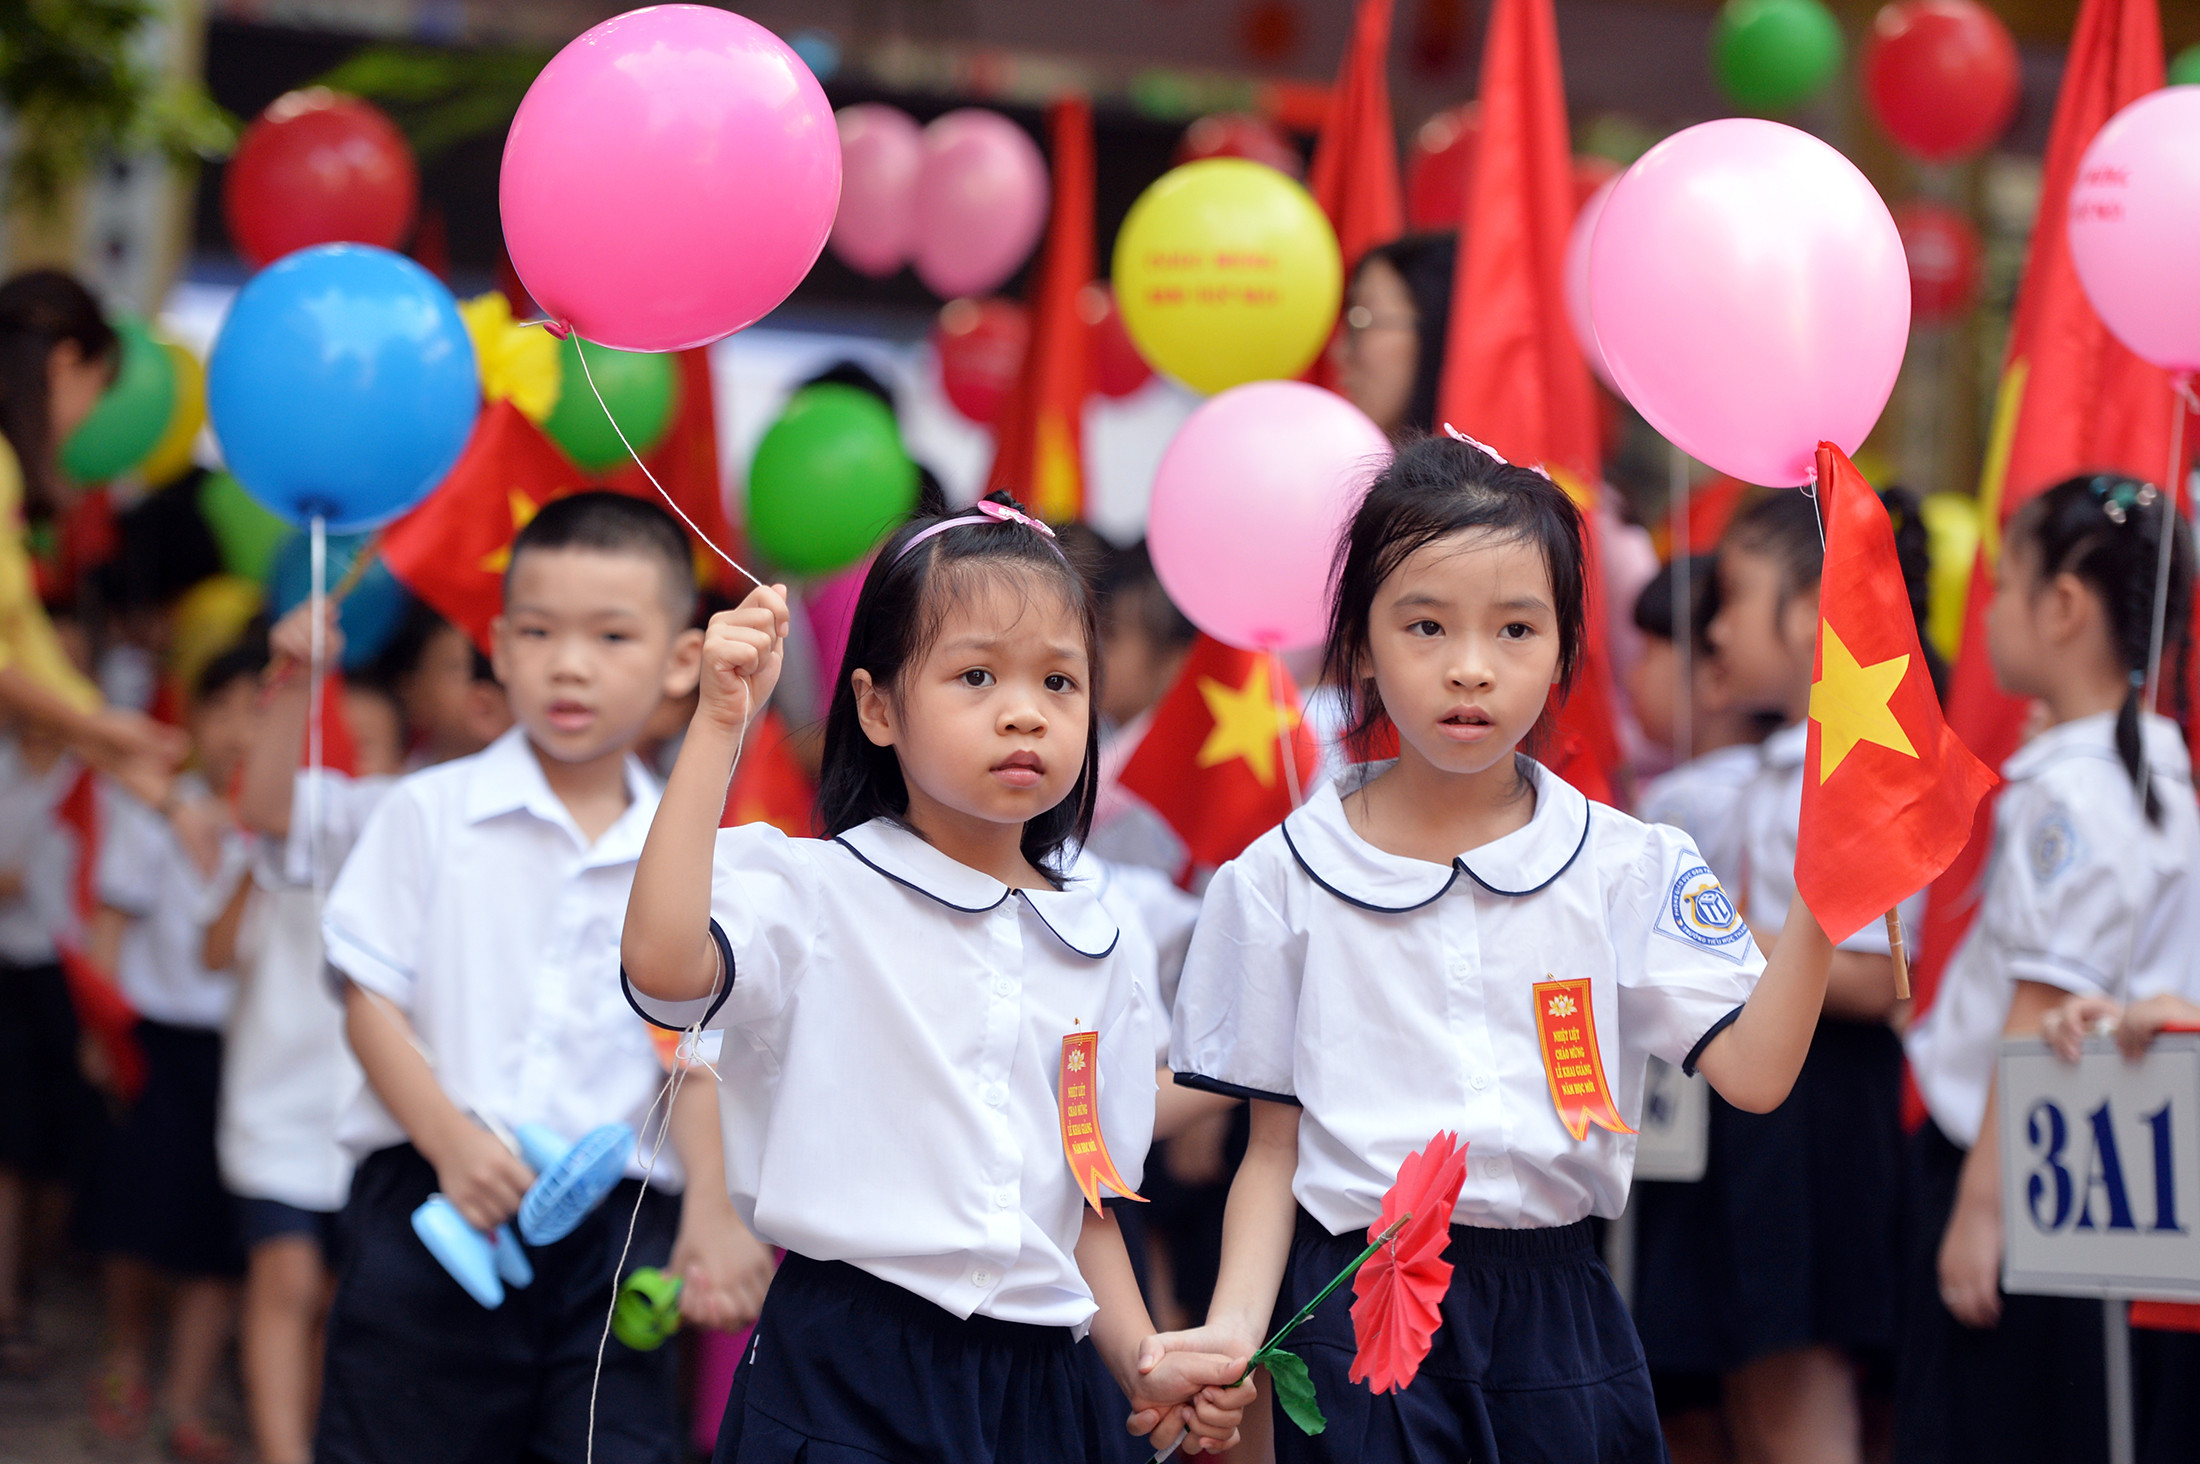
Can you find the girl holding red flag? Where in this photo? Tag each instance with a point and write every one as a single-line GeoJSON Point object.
{"type": "Point", "coordinates": [1457, 939]}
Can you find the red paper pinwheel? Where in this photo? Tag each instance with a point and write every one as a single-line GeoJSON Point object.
{"type": "Point", "coordinates": [1403, 1283]}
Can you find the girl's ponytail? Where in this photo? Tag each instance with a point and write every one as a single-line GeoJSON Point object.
{"type": "Point", "coordinates": [1913, 548]}
{"type": "Point", "coordinates": [2131, 749]}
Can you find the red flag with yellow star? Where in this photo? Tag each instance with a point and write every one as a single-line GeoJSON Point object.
{"type": "Point", "coordinates": [769, 785]}
{"type": "Point", "coordinates": [1213, 761]}
{"type": "Point", "coordinates": [1888, 790]}
{"type": "Point", "coordinates": [452, 550]}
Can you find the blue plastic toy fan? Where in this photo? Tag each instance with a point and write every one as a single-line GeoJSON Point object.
{"type": "Point", "coordinates": [483, 1265]}
{"type": "Point", "coordinates": [571, 1180]}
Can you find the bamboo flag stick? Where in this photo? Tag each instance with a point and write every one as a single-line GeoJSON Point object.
{"type": "Point", "coordinates": [1901, 957]}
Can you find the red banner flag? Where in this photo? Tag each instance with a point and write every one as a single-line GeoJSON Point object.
{"type": "Point", "coordinates": [1355, 172]}
{"type": "Point", "coordinates": [1213, 761]}
{"type": "Point", "coordinates": [2072, 400]}
{"type": "Point", "coordinates": [769, 786]}
{"type": "Point", "coordinates": [102, 1010]}
{"type": "Point", "coordinates": [1888, 789]}
{"type": "Point", "coordinates": [452, 550]}
{"type": "Point", "coordinates": [1041, 456]}
{"type": "Point", "coordinates": [1573, 1062]}
{"type": "Point", "coordinates": [1084, 1147]}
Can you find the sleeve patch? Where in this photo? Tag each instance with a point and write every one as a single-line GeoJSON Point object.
{"type": "Point", "coordinates": [2054, 847]}
{"type": "Point", "coordinates": [1697, 912]}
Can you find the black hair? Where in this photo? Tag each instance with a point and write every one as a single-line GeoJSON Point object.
{"type": "Point", "coordinates": [2106, 529]}
{"type": "Point", "coordinates": [401, 657]}
{"type": "Point", "coordinates": [845, 372]}
{"type": "Point", "coordinates": [1426, 262]}
{"type": "Point", "coordinates": [904, 600]}
{"type": "Point", "coordinates": [1783, 525]}
{"type": "Point", "coordinates": [1434, 488]}
{"type": "Point", "coordinates": [1659, 613]}
{"type": "Point", "coordinates": [1131, 590]}
{"type": "Point", "coordinates": [163, 547]}
{"type": "Point", "coordinates": [242, 661]}
{"type": "Point", "coordinates": [614, 523]}
{"type": "Point", "coordinates": [39, 309]}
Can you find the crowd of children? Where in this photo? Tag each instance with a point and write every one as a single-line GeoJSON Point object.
{"type": "Point", "coordinates": [847, 1059]}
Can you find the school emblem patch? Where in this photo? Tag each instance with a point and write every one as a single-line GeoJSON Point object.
{"type": "Point", "coordinates": [2054, 847]}
{"type": "Point", "coordinates": [1698, 912]}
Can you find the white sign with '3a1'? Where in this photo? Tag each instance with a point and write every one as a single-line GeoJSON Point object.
{"type": "Point", "coordinates": [2101, 1170]}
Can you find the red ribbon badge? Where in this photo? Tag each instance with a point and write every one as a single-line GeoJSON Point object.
{"type": "Point", "coordinates": [1572, 1060]}
{"type": "Point", "coordinates": [1082, 1145]}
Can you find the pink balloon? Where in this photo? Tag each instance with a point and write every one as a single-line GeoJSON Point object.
{"type": "Point", "coordinates": [981, 202]}
{"type": "Point", "coordinates": [1751, 296]}
{"type": "Point", "coordinates": [881, 153]}
{"type": "Point", "coordinates": [2135, 227]}
{"type": "Point", "coordinates": [669, 178]}
{"type": "Point", "coordinates": [1577, 280]}
{"type": "Point", "coordinates": [1248, 503]}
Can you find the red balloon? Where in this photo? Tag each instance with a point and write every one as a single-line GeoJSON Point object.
{"type": "Point", "coordinates": [1439, 166]}
{"type": "Point", "coordinates": [981, 346]}
{"type": "Point", "coordinates": [1943, 250]}
{"type": "Point", "coordinates": [1236, 135]}
{"type": "Point", "coordinates": [1941, 76]}
{"type": "Point", "coordinates": [318, 167]}
{"type": "Point", "coordinates": [1116, 368]}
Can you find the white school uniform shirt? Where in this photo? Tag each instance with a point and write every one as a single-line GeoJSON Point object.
{"type": "Point", "coordinates": [2080, 893]}
{"type": "Point", "coordinates": [1392, 998]}
{"type": "Point", "coordinates": [475, 905]}
{"type": "Point", "coordinates": [894, 1040]}
{"type": "Point", "coordinates": [35, 845]}
{"type": "Point", "coordinates": [144, 872]}
{"type": "Point", "coordinates": [1706, 798]}
{"type": "Point", "coordinates": [287, 1070]}
{"type": "Point", "coordinates": [1773, 822]}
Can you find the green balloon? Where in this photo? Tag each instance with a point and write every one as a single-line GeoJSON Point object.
{"type": "Point", "coordinates": [132, 413]}
{"type": "Point", "coordinates": [829, 480]}
{"type": "Point", "coordinates": [1773, 55]}
{"type": "Point", "coordinates": [2185, 70]}
{"type": "Point", "coordinates": [248, 534]}
{"type": "Point", "coordinates": [640, 387]}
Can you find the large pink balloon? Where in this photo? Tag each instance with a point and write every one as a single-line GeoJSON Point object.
{"type": "Point", "coordinates": [670, 177]}
{"type": "Point", "coordinates": [1247, 506]}
{"type": "Point", "coordinates": [2135, 227]}
{"type": "Point", "coordinates": [981, 202]}
{"type": "Point", "coordinates": [1751, 296]}
{"type": "Point", "coordinates": [1577, 280]}
{"type": "Point", "coordinates": [881, 153]}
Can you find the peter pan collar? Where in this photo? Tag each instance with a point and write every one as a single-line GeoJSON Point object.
{"type": "Point", "coordinates": [2095, 736]}
{"type": "Point", "coordinates": [1335, 857]}
{"type": "Point", "coordinates": [1073, 913]}
{"type": "Point", "coordinates": [507, 778]}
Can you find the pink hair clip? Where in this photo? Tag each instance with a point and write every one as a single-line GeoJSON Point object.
{"type": "Point", "coordinates": [1457, 436]}
{"type": "Point", "coordinates": [985, 511]}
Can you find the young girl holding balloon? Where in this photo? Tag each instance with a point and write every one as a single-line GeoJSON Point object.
{"type": "Point", "coordinates": [905, 999]}
{"type": "Point", "coordinates": [1458, 940]}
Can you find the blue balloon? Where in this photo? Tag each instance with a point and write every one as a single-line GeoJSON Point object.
{"type": "Point", "coordinates": [342, 384]}
{"type": "Point", "coordinates": [370, 615]}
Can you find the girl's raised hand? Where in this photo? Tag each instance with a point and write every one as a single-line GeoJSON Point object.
{"type": "Point", "coordinates": [741, 653]}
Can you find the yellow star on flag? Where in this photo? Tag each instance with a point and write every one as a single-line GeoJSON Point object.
{"type": "Point", "coordinates": [524, 510]}
{"type": "Point", "coordinates": [1849, 704]}
{"type": "Point", "coordinates": [1248, 723]}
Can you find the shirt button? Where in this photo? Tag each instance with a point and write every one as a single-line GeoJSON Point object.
{"type": "Point", "coordinates": [996, 1095]}
{"type": "Point", "coordinates": [1495, 1169]}
{"type": "Point", "coordinates": [1478, 1082]}
{"type": "Point", "coordinates": [1459, 969]}
{"type": "Point", "coordinates": [1004, 1199]}
{"type": "Point", "coordinates": [981, 1278]}
{"type": "Point", "coordinates": [1004, 987]}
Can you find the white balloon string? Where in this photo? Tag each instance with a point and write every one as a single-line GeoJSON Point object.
{"type": "Point", "coordinates": [316, 668]}
{"type": "Point", "coordinates": [2181, 387]}
{"type": "Point", "coordinates": [580, 353]}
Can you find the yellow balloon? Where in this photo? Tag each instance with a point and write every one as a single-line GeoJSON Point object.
{"type": "Point", "coordinates": [1952, 538]}
{"type": "Point", "coordinates": [1227, 272]}
{"type": "Point", "coordinates": [211, 617]}
{"type": "Point", "coordinates": [170, 458]}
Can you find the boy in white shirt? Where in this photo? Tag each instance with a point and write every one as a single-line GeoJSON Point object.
{"type": "Point", "coordinates": [477, 925]}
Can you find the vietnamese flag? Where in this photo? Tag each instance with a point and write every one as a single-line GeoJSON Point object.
{"type": "Point", "coordinates": [1213, 761]}
{"type": "Point", "coordinates": [1354, 176]}
{"type": "Point", "coordinates": [452, 550]}
{"type": "Point", "coordinates": [1041, 452]}
{"type": "Point", "coordinates": [1888, 789]}
{"type": "Point", "coordinates": [768, 785]}
{"type": "Point", "coordinates": [2072, 400]}
{"type": "Point", "coordinates": [1513, 375]}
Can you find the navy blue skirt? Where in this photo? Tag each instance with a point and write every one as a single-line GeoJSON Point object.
{"type": "Point", "coordinates": [1793, 1236]}
{"type": "Point", "coordinates": [848, 1369]}
{"type": "Point", "coordinates": [158, 1194]}
{"type": "Point", "coordinates": [1536, 1361]}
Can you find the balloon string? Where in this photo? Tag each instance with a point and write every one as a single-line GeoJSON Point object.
{"type": "Point", "coordinates": [317, 671]}
{"type": "Point", "coordinates": [581, 355]}
{"type": "Point", "coordinates": [2181, 390]}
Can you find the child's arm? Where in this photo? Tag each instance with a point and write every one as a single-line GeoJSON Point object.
{"type": "Point", "coordinates": [1753, 1062]}
{"type": "Point", "coordinates": [666, 948]}
{"type": "Point", "coordinates": [1168, 1395]}
{"type": "Point", "coordinates": [271, 765]}
{"type": "Point", "coordinates": [1970, 1248]}
{"type": "Point", "coordinates": [473, 1169]}
{"type": "Point", "coordinates": [726, 1269]}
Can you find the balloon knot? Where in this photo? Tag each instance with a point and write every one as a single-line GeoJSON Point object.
{"type": "Point", "coordinates": [558, 328]}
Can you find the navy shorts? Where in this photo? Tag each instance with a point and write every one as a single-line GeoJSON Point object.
{"type": "Point", "coordinates": [264, 1220]}
{"type": "Point", "coordinates": [158, 1192]}
{"type": "Point", "coordinates": [1535, 1361]}
{"type": "Point", "coordinates": [848, 1369]}
{"type": "Point", "coordinates": [420, 1373]}
{"type": "Point", "coordinates": [48, 1113]}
